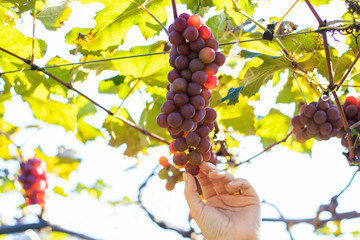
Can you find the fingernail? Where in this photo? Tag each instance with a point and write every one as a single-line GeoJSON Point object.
{"type": "Point", "coordinates": [184, 176]}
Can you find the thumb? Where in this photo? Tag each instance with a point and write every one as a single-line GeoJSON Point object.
{"type": "Point", "coordinates": [193, 199]}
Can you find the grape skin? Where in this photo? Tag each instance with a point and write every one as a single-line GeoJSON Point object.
{"type": "Point", "coordinates": [180, 99]}
{"type": "Point", "coordinates": [174, 119]}
{"type": "Point", "coordinates": [199, 77]}
{"type": "Point", "coordinates": [332, 114]}
{"type": "Point", "coordinates": [176, 38]}
{"type": "Point", "coordinates": [195, 158]}
{"type": "Point", "coordinates": [188, 111]}
{"type": "Point", "coordinates": [193, 89]}
{"type": "Point", "coordinates": [320, 117]}
{"type": "Point", "coordinates": [179, 85]}
{"type": "Point", "coordinates": [180, 158]}
{"type": "Point", "coordinates": [161, 120]}
{"type": "Point", "coordinates": [193, 139]}
{"type": "Point", "coordinates": [191, 33]}
{"type": "Point", "coordinates": [198, 102]}
{"type": "Point", "coordinates": [196, 65]}
{"type": "Point", "coordinates": [207, 55]}
{"type": "Point", "coordinates": [168, 107]}
{"type": "Point", "coordinates": [180, 144]}
{"type": "Point", "coordinates": [187, 125]}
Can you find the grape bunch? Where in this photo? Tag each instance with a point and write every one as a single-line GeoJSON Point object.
{"type": "Point", "coordinates": [34, 181]}
{"type": "Point", "coordinates": [169, 173]}
{"type": "Point", "coordinates": [351, 108]}
{"type": "Point", "coordinates": [320, 120]}
{"type": "Point", "coordinates": [186, 113]}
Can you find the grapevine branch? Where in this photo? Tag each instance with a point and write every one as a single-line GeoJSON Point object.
{"type": "Point", "coordinates": [266, 149]}
{"type": "Point", "coordinates": [162, 224]}
{"type": "Point", "coordinates": [332, 86]}
{"type": "Point", "coordinates": [288, 226]}
{"type": "Point", "coordinates": [69, 86]}
{"type": "Point", "coordinates": [316, 221]}
{"type": "Point", "coordinates": [41, 225]}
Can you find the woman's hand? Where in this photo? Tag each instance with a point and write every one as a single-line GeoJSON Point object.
{"type": "Point", "coordinates": [231, 210]}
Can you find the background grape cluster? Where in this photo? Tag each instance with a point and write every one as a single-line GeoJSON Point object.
{"type": "Point", "coordinates": [351, 108]}
{"type": "Point", "coordinates": [186, 113]}
{"type": "Point", "coordinates": [320, 120]}
{"type": "Point", "coordinates": [34, 181]}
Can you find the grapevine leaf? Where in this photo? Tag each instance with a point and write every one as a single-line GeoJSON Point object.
{"type": "Point", "coordinates": [294, 145]}
{"type": "Point", "coordinates": [6, 185]}
{"type": "Point", "coordinates": [303, 43]}
{"type": "Point", "coordinates": [291, 91]}
{"type": "Point", "coordinates": [54, 13]}
{"type": "Point", "coordinates": [115, 85]}
{"type": "Point", "coordinates": [148, 119]}
{"type": "Point", "coordinates": [151, 69]}
{"type": "Point", "coordinates": [233, 95]}
{"type": "Point", "coordinates": [6, 16]}
{"type": "Point", "coordinates": [114, 21]}
{"type": "Point", "coordinates": [53, 112]}
{"type": "Point", "coordinates": [218, 25]}
{"type": "Point", "coordinates": [123, 134]}
{"type": "Point", "coordinates": [232, 12]}
{"type": "Point", "coordinates": [257, 76]}
{"type": "Point", "coordinates": [273, 127]}
{"type": "Point", "coordinates": [248, 54]}
{"type": "Point", "coordinates": [124, 201]}
{"type": "Point", "coordinates": [197, 6]}
{"type": "Point", "coordinates": [319, 2]}
{"type": "Point", "coordinates": [2, 109]}
{"type": "Point", "coordinates": [60, 191]}
{"type": "Point", "coordinates": [59, 165]}
{"type": "Point", "coordinates": [85, 132]}
{"type": "Point", "coordinates": [95, 191]}
{"type": "Point", "coordinates": [240, 117]}
{"type": "Point", "coordinates": [4, 148]}
{"type": "Point", "coordinates": [15, 42]}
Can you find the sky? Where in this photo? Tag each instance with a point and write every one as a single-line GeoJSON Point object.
{"type": "Point", "coordinates": [296, 183]}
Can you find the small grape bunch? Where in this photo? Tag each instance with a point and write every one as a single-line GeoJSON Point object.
{"type": "Point", "coordinates": [186, 113]}
{"type": "Point", "coordinates": [320, 120]}
{"type": "Point", "coordinates": [34, 181]}
{"type": "Point", "coordinates": [169, 173]}
{"type": "Point", "coordinates": [351, 108]}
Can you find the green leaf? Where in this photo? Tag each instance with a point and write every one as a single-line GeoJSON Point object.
{"type": "Point", "coordinates": [218, 25]}
{"type": "Point", "coordinates": [151, 69]}
{"type": "Point", "coordinates": [60, 191]}
{"type": "Point", "coordinates": [233, 95]}
{"type": "Point", "coordinates": [6, 185]}
{"type": "Point", "coordinates": [53, 112]}
{"type": "Point", "coordinates": [259, 75]}
{"type": "Point", "coordinates": [54, 13]}
{"type": "Point", "coordinates": [115, 85]}
{"type": "Point", "coordinates": [291, 90]}
{"type": "Point", "coordinates": [294, 145]}
{"type": "Point", "coordinates": [60, 165]}
{"type": "Point", "coordinates": [148, 119]}
{"type": "Point", "coordinates": [15, 42]}
{"type": "Point", "coordinates": [114, 21]}
{"type": "Point", "coordinates": [95, 191]}
{"type": "Point", "coordinates": [123, 134]}
{"type": "Point", "coordinates": [319, 2]}
{"type": "Point", "coordinates": [267, 132]}
{"type": "Point", "coordinates": [85, 132]}
{"type": "Point", "coordinates": [7, 17]}
{"type": "Point", "coordinates": [231, 11]}
{"type": "Point", "coordinates": [124, 201]}
{"type": "Point", "coordinates": [240, 117]}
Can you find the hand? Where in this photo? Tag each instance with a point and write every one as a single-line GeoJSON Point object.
{"type": "Point", "coordinates": [231, 210]}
